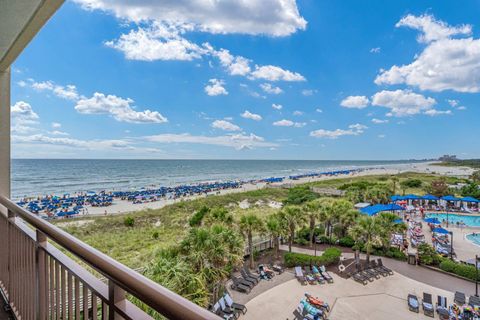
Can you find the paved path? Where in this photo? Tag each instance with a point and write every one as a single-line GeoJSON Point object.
{"type": "Point", "coordinates": [421, 274]}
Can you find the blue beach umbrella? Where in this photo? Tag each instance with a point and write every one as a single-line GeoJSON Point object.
{"type": "Point", "coordinates": [450, 198]}
{"type": "Point", "coordinates": [432, 220]}
{"type": "Point", "coordinates": [429, 197]}
{"type": "Point", "coordinates": [469, 199]}
{"type": "Point", "coordinates": [440, 230]}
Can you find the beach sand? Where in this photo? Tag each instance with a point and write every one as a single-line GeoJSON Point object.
{"type": "Point", "coordinates": [121, 206]}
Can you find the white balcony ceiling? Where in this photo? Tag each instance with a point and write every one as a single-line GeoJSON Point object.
{"type": "Point", "coordinates": [20, 20]}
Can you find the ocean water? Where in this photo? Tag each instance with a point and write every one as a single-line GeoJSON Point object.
{"type": "Point", "coordinates": [33, 177]}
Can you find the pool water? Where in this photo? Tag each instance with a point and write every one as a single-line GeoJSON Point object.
{"type": "Point", "coordinates": [470, 221]}
{"type": "Point", "coordinates": [475, 238]}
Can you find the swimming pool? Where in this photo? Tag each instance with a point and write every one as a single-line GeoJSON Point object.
{"type": "Point", "coordinates": [475, 238]}
{"type": "Point", "coordinates": [470, 221]}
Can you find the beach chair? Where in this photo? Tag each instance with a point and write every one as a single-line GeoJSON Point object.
{"type": "Point", "coordinates": [240, 287]}
{"type": "Point", "coordinates": [311, 279]}
{"type": "Point", "coordinates": [373, 265]}
{"type": "Point", "coordinates": [427, 305]}
{"type": "Point", "coordinates": [227, 310]}
{"type": "Point", "coordinates": [244, 282]}
{"type": "Point", "coordinates": [318, 276]}
{"type": "Point", "coordinates": [413, 304]}
{"type": "Point", "coordinates": [380, 265]}
{"type": "Point", "coordinates": [474, 301]}
{"type": "Point", "coordinates": [459, 298]}
{"type": "Point", "coordinates": [301, 314]}
{"type": "Point", "coordinates": [317, 303]}
{"type": "Point", "coordinates": [218, 311]}
{"type": "Point", "coordinates": [250, 274]}
{"type": "Point", "coordinates": [233, 305]}
{"type": "Point", "coordinates": [367, 275]}
{"type": "Point", "coordinates": [371, 272]}
{"type": "Point", "coordinates": [442, 308]}
{"type": "Point", "coordinates": [325, 274]}
{"type": "Point", "coordinates": [246, 277]}
{"type": "Point", "coordinates": [357, 277]}
{"type": "Point", "coordinates": [300, 277]}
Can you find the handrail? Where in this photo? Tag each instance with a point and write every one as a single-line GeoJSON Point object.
{"type": "Point", "coordinates": [166, 302]}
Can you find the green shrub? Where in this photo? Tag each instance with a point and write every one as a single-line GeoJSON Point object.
{"type": "Point", "coordinates": [198, 216]}
{"type": "Point", "coordinates": [460, 269]}
{"type": "Point", "coordinates": [428, 256]}
{"type": "Point", "coordinates": [129, 221]}
{"type": "Point", "coordinates": [300, 194]}
{"type": "Point", "coordinates": [346, 242]}
{"type": "Point", "coordinates": [301, 241]}
{"type": "Point", "coordinates": [412, 183]}
{"type": "Point", "coordinates": [395, 253]}
{"type": "Point", "coordinates": [330, 256]}
{"type": "Point", "coordinates": [155, 235]}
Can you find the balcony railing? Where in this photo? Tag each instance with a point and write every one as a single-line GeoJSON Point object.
{"type": "Point", "coordinates": [41, 282]}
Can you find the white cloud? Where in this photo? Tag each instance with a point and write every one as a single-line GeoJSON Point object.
{"type": "Point", "coordinates": [297, 113]}
{"type": "Point", "coordinates": [248, 115]}
{"type": "Point", "coordinates": [435, 112]}
{"type": "Point", "coordinates": [308, 92]}
{"type": "Point", "coordinates": [353, 130]}
{"type": "Point", "coordinates": [216, 88]}
{"type": "Point", "coordinates": [21, 129]}
{"type": "Point", "coordinates": [289, 123]}
{"type": "Point", "coordinates": [432, 29]}
{"type": "Point", "coordinates": [84, 144]}
{"type": "Point", "coordinates": [283, 123]}
{"type": "Point", "coordinates": [378, 121]}
{"type": "Point", "coordinates": [402, 102]}
{"type": "Point", "coordinates": [268, 88]}
{"type": "Point", "coordinates": [462, 108]}
{"type": "Point", "coordinates": [22, 111]}
{"type": "Point", "coordinates": [235, 65]}
{"type": "Point", "coordinates": [120, 109]}
{"type": "Point", "coordinates": [255, 17]}
{"type": "Point", "coordinates": [21, 83]}
{"type": "Point", "coordinates": [277, 106]}
{"type": "Point", "coordinates": [355, 102]}
{"type": "Point", "coordinates": [453, 103]}
{"type": "Point", "coordinates": [56, 125]}
{"type": "Point", "coordinates": [274, 73]}
{"type": "Point", "coordinates": [319, 110]}
{"type": "Point", "coordinates": [225, 125]}
{"type": "Point", "coordinates": [375, 50]}
{"type": "Point", "coordinates": [158, 42]}
{"type": "Point", "coordinates": [237, 141]}
{"type": "Point", "coordinates": [381, 136]}
{"type": "Point", "coordinates": [445, 64]}
{"type": "Point", "coordinates": [58, 133]}
{"type": "Point", "coordinates": [68, 92]}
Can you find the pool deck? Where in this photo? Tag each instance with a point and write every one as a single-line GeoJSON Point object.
{"type": "Point", "coordinates": [381, 299]}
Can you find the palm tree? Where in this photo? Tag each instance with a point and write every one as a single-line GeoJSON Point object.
{"type": "Point", "coordinates": [394, 182]}
{"type": "Point", "coordinates": [250, 223]}
{"type": "Point", "coordinates": [292, 217]}
{"type": "Point", "coordinates": [347, 219]}
{"type": "Point", "coordinates": [387, 226]}
{"type": "Point", "coordinates": [312, 210]}
{"type": "Point", "coordinates": [273, 227]}
{"type": "Point", "coordinates": [364, 231]}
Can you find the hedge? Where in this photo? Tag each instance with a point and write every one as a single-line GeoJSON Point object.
{"type": "Point", "coordinates": [460, 269]}
{"type": "Point", "coordinates": [330, 256]}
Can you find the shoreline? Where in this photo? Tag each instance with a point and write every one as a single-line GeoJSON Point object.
{"type": "Point", "coordinates": [124, 206]}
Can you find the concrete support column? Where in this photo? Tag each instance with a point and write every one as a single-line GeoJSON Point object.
{"type": "Point", "coordinates": [5, 132]}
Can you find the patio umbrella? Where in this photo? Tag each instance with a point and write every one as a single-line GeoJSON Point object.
{"type": "Point", "coordinates": [429, 197]}
{"type": "Point", "coordinates": [441, 231]}
{"type": "Point", "coordinates": [469, 199]}
{"type": "Point", "coordinates": [432, 220]}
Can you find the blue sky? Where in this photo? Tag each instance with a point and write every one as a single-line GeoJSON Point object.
{"type": "Point", "coordinates": [260, 79]}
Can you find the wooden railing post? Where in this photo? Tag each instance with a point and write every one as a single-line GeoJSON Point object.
{"type": "Point", "coordinates": [41, 276]}
{"type": "Point", "coordinates": [115, 295]}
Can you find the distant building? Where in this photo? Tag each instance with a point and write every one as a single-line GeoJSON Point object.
{"type": "Point", "coordinates": [448, 157]}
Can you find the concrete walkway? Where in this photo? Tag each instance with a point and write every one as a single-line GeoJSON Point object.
{"type": "Point", "coordinates": [421, 274]}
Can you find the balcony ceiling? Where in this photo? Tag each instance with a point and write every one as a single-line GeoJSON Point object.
{"type": "Point", "coordinates": [20, 20]}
